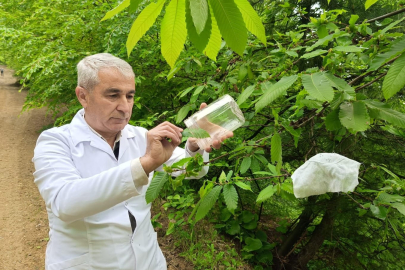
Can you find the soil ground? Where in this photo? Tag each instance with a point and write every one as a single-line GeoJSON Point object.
{"type": "Point", "coordinates": [23, 218]}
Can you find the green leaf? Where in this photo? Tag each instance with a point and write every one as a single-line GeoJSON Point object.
{"type": "Point", "coordinates": [243, 186]}
{"type": "Point", "coordinates": [276, 148]}
{"type": "Point", "coordinates": [398, 46]}
{"type": "Point", "coordinates": [134, 5]}
{"type": "Point", "coordinates": [369, 3]}
{"type": "Point", "coordinates": [252, 244]}
{"type": "Point", "coordinates": [198, 133]}
{"type": "Point", "coordinates": [142, 23]}
{"type": "Point", "coordinates": [275, 91]}
{"type": "Point", "coordinates": [207, 203]}
{"type": "Point", "coordinates": [123, 5]}
{"type": "Point", "coordinates": [214, 43]}
{"type": "Point", "coordinates": [353, 19]}
{"type": "Point", "coordinates": [186, 91]}
{"type": "Point", "coordinates": [379, 211]}
{"type": "Point", "coordinates": [157, 183]}
{"type": "Point", "coordinates": [341, 85]}
{"type": "Point", "coordinates": [183, 113]}
{"type": "Point", "coordinates": [262, 159]}
{"type": "Point", "coordinates": [266, 193]}
{"type": "Point", "coordinates": [245, 94]}
{"type": "Point", "coordinates": [231, 197]}
{"type": "Point", "coordinates": [173, 31]}
{"type": "Point", "coordinates": [322, 41]}
{"type": "Point", "coordinates": [230, 24]}
{"type": "Point", "coordinates": [389, 27]}
{"type": "Point", "coordinates": [318, 86]}
{"type": "Point", "coordinates": [384, 112]}
{"type": "Point", "coordinates": [332, 121]}
{"type": "Point", "coordinates": [400, 207]}
{"type": "Point", "coordinates": [395, 78]}
{"type": "Point", "coordinates": [322, 31]}
{"type": "Point", "coordinates": [252, 20]}
{"type": "Point", "coordinates": [200, 40]}
{"type": "Point", "coordinates": [181, 162]}
{"type": "Point", "coordinates": [198, 90]}
{"type": "Point", "coordinates": [348, 49]}
{"type": "Point", "coordinates": [354, 116]}
{"type": "Point", "coordinates": [313, 54]}
{"type": "Point", "coordinates": [245, 165]}
{"type": "Point", "coordinates": [199, 13]}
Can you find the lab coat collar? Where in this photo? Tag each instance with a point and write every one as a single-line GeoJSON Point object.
{"type": "Point", "coordinates": [80, 132]}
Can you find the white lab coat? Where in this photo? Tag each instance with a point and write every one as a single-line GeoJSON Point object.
{"type": "Point", "coordinates": [88, 194]}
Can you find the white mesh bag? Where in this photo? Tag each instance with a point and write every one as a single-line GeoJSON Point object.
{"type": "Point", "coordinates": [326, 172]}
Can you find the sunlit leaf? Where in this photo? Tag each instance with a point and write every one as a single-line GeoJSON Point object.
{"type": "Point", "coordinates": [252, 20]}
{"type": "Point", "coordinates": [123, 5]}
{"type": "Point", "coordinates": [173, 31]}
{"type": "Point", "coordinates": [395, 78]}
{"type": "Point", "coordinates": [199, 13]}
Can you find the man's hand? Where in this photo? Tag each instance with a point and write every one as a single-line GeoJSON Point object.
{"type": "Point", "coordinates": [159, 149]}
{"type": "Point", "coordinates": [212, 129]}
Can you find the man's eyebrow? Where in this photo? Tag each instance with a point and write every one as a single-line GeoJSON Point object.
{"type": "Point", "coordinates": [117, 91]}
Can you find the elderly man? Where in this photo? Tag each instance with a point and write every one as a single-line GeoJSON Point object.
{"type": "Point", "coordinates": [93, 174]}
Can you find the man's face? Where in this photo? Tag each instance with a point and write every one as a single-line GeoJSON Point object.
{"type": "Point", "coordinates": [108, 107]}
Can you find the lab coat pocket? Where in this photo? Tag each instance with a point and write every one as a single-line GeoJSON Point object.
{"type": "Point", "coordinates": [148, 254]}
{"type": "Point", "coordinates": [77, 263]}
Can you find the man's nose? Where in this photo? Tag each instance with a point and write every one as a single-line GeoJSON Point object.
{"type": "Point", "coordinates": [124, 106]}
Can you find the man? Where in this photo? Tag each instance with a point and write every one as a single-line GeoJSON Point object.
{"type": "Point", "coordinates": [93, 174]}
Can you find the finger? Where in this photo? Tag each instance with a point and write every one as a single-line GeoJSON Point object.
{"type": "Point", "coordinates": [174, 127]}
{"type": "Point", "coordinates": [171, 128]}
{"type": "Point", "coordinates": [216, 144]}
{"type": "Point", "coordinates": [167, 133]}
{"type": "Point", "coordinates": [208, 149]}
{"type": "Point", "coordinates": [203, 105]}
{"type": "Point", "coordinates": [227, 135]}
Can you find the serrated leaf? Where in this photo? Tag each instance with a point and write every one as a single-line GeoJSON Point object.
{"type": "Point", "coordinates": [287, 187]}
{"type": "Point", "coordinates": [123, 5]}
{"type": "Point", "coordinates": [198, 90]}
{"type": "Point", "coordinates": [394, 81]}
{"type": "Point", "coordinates": [243, 186]}
{"type": "Point", "coordinates": [252, 20]}
{"type": "Point", "coordinates": [353, 19]}
{"type": "Point", "coordinates": [341, 85]}
{"type": "Point", "coordinates": [384, 112]}
{"type": "Point", "coordinates": [231, 197]}
{"type": "Point", "coordinates": [354, 116]}
{"type": "Point", "coordinates": [183, 113]}
{"type": "Point", "coordinates": [332, 121]}
{"type": "Point", "coordinates": [318, 86]}
{"type": "Point", "coordinates": [255, 166]}
{"type": "Point", "coordinates": [322, 41]}
{"type": "Point", "coordinates": [230, 24]}
{"type": "Point", "coordinates": [199, 13]}
{"type": "Point", "coordinates": [142, 23]}
{"type": "Point", "coordinates": [275, 91]}
{"type": "Point", "coordinates": [400, 207]}
{"type": "Point", "coordinates": [198, 133]}
{"type": "Point", "coordinates": [207, 203]}
{"type": "Point", "coordinates": [266, 193]}
{"type": "Point", "coordinates": [245, 94]}
{"type": "Point", "coordinates": [369, 3]}
{"type": "Point", "coordinates": [397, 47]}
{"type": "Point", "coordinates": [214, 42]}
{"type": "Point", "coordinates": [157, 183]}
{"type": "Point", "coordinates": [313, 54]}
{"type": "Point", "coordinates": [276, 150]}
{"type": "Point", "coordinates": [262, 159]}
{"type": "Point", "coordinates": [173, 31]}
{"type": "Point", "coordinates": [245, 165]}
{"type": "Point", "coordinates": [181, 162]}
{"type": "Point", "coordinates": [348, 49]}
{"type": "Point", "coordinates": [200, 40]}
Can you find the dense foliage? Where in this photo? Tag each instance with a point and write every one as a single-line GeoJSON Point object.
{"type": "Point", "coordinates": [329, 76]}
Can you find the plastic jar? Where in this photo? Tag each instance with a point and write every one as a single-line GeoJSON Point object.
{"type": "Point", "coordinates": [218, 118]}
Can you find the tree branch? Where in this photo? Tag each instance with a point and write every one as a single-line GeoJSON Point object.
{"type": "Point", "coordinates": [386, 15]}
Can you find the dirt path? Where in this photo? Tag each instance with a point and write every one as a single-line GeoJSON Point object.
{"type": "Point", "coordinates": [23, 219]}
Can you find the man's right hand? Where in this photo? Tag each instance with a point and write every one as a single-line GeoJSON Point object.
{"type": "Point", "coordinates": [158, 148]}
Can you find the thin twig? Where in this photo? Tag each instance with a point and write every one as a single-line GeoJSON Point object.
{"type": "Point", "coordinates": [386, 15]}
{"type": "Point", "coordinates": [370, 83]}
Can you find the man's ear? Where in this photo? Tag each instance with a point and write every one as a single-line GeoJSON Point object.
{"type": "Point", "coordinates": [82, 95]}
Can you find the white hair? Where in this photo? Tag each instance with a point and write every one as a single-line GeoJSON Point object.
{"type": "Point", "coordinates": [89, 67]}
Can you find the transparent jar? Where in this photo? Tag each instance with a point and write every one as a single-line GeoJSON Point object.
{"type": "Point", "coordinates": [218, 118]}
